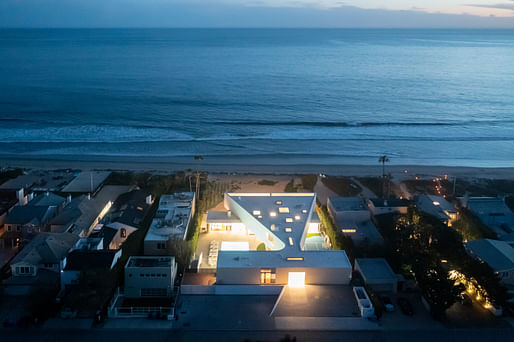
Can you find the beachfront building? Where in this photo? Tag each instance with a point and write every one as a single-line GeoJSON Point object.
{"type": "Point", "coordinates": [353, 218]}
{"type": "Point", "coordinates": [125, 217]}
{"type": "Point", "coordinates": [24, 221]}
{"type": "Point", "coordinates": [171, 222]}
{"type": "Point", "coordinates": [439, 207]}
{"type": "Point", "coordinates": [379, 206]}
{"type": "Point", "coordinates": [377, 274]}
{"type": "Point", "coordinates": [150, 277]}
{"type": "Point", "coordinates": [494, 213]}
{"type": "Point", "coordinates": [283, 223]}
{"type": "Point", "coordinates": [498, 254]}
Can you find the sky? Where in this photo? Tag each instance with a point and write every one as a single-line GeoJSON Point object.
{"type": "Point", "coordinates": [257, 13]}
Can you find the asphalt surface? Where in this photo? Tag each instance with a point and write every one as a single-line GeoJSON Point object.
{"type": "Point", "coordinates": [104, 335]}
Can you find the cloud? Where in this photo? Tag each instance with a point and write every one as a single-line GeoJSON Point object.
{"type": "Point", "coordinates": [505, 6]}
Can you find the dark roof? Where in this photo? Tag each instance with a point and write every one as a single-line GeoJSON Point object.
{"type": "Point", "coordinates": [25, 214]}
{"type": "Point", "coordinates": [47, 199]}
{"type": "Point", "coordinates": [390, 202]}
{"type": "Point", "coordinates": [78, 260]}
{"type": "Point", "coordinates": [129, 208]}
{"type": "Point", "coordinates": [108, 234]}
{"type": "Point", "coordinates": [7, 200]}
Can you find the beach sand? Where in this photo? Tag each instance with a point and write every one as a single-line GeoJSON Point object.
{"type": "Point", "coordinates": [252, 166]}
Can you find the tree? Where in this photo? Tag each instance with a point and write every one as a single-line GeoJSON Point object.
{"type": "Point", "coordinates": [181, 250]}
{"type": "Point", "coordinates": [383, 159]}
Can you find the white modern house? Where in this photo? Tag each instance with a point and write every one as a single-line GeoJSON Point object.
{"type": "Point", "coordinates": [150, 277]}
{"type": "Point", "coordinates": [171, 221]}
{"type": "Point", "coordinates": [283, 222]}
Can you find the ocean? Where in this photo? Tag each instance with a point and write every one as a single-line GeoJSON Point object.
{"type": "Point", "coordinates": [315, 96]}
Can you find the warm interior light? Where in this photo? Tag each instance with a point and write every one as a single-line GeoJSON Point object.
{"type": "Point", "coordinates": [436, 203]}
{"type": "Point", "coordinates": [297, 217]}
{"type": "Point", "coordinates": [272, 214]}
{"type": "Point", "coordinates": [291, 241]}
{"type": "Point", "coordinates": [256, 212]}
{"type": "Point", "coordinates": [349, 230]}
{"type": "Point", "coordinates": [296, 279]}
{"type": "Point", "coordinates": [289, 219]}
{"type": "Point", "coordinates": [283, 210]}
{"type": "Point", "coordinates": [295, 259]}
{"type": "Point", "coordinates": [289, 230]}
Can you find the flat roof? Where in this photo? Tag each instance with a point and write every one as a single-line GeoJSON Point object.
{"type": "Point", "coordinates": [375, 269]}
{"type": "Point", "coordinates": [271, 259]}
{"type": "Point", "coordinates": [150, 261]}
{"type": "Point", "coordinates": [41, 180]}
{"type": "Point", "coordinates": [222, 217]}
{"type": "Point", "coordinates": [172, 217]}
{"type": "Point", "coordinates": [390, 202]}
{"type": "Point", "coordinates": [347, 203]}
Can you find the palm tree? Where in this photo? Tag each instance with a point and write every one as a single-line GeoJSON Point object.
{"type": "Point", "coordinates": [383, 159]}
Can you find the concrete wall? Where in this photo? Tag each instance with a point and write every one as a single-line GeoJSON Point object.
{"type": "Point", "coordinates": [137, 278]}
{"type": "Point", "coordinates": [313, 276]}
{"type": "Point", "coordinates": [243, 290]}
{"type": "Point", "coordinates": [150, 248]}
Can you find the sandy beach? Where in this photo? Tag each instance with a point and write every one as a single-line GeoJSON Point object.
{"type": "Point", "coordinates": [247, 166]}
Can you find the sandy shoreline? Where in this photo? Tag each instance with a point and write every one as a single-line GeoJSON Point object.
{"type": "Point", "coordinates": [246, 166]}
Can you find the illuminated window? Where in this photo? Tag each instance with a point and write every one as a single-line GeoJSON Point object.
{"type": "Point", "coordinates": [278, 202]}
{"type": "Point", "coordinates": [304, 211]}
{"type": "Point", "coordinates": [268, 276]}
{"type": "Point", "coordinates": [296, 279]}
{"type": "Point", "coordinates": [297, 217]}
{"type": "Point", "coordinates": [289, 219]}
{"type": "Point", "coordinates": [260, 216]}
{"type": "Point", "coordinates": [272, 214]}
{"type": "Point", "coordinates": [349, 230]}
{"type": "Point", "coordinates": [436, 203]}
{"type": "Point", "coordinates": [290, 241]}
{"type": "Point", "coordinates": [273, 227]}
{"type": "Point", "coordinates": [294, 259]}
{"type": "Point", "coordinates": [256, 212]}
{"type": "Point", "coordinates": [289, 230]}
{"type": "Point", "coordinates": [283, 210]}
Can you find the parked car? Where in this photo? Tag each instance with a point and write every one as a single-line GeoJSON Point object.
{"type": "Point", "coordinates": [388, 304]}
{"type": "Point", "coordinates": [405, 306]}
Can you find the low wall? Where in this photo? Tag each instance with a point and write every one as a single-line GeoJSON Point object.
{"type": "Point", "coordinates": [242, 290]}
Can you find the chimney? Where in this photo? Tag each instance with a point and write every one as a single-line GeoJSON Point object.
{"type": "Point", "coordinates": [20, 195]}
{"type": "Point", "coordinates": [89, 196]}
{"type": "Point", "coordinates": [68, 199]}
{"type": "Point", "coordinates": [149, 199]}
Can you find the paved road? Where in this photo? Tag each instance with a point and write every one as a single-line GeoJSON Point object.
{"type": "Point", "coordinates": [101, 335]}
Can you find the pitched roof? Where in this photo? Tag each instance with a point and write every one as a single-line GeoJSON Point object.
{"type": "Point", "coordinates": [129, 208]}
{"type": "Point", "coordinates": [498, 254]}
{"type": "Point", "coordinates": [47, 199]}
{"type": "Point", "coordinates": [46, 248]}
{"type": "Point", "coordinates": [25, 214]}
{"type": "Point", "coordinates": [78, 260]}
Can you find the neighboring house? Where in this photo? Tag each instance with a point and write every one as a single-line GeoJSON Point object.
{"type": "Point", "coordinates": [125, 217]}
{"type": "Point", "coordinates": [282, 222]}
{"type": "Point", "coordinates": [40, 181]}
{"type": "Point", "coordinates": [353, 218]}
{"type": "Point", "coordinates": [45, 251]}
{"type": "Point", "coordinates": [114, 234]}
{"type": "Point", "coordinates": [8, 200]}
{"type": "Point", "coordinates": [84, 212]}
{"type": "Point", "coordinates": [379, 206]}
{"type": "Point", "coordinates": [498, 254]}
{"type": "Point", "coordinates": [23, 222]}
{"type": "Point", "coordinates": [78, 261]}
{"type": "Point", "coordinates": [377, 274]}
{"type": "Point", "coordinates": [437, 206]}
{"type": "Point", "coordinates": [147, 277]}
{"type": "Point", "coordinates": [494, 213]}
{"type": "Point", "coordinates": [171, 222]}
